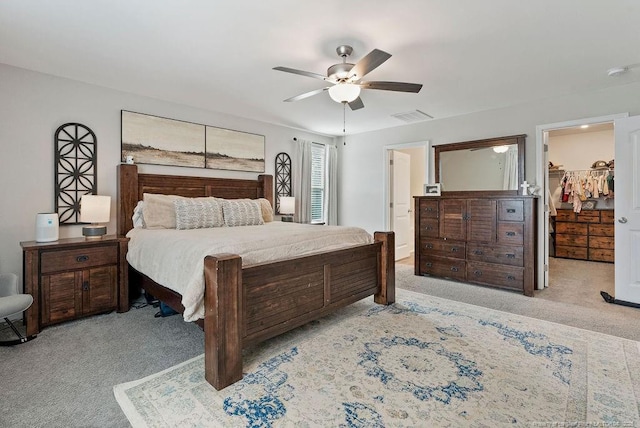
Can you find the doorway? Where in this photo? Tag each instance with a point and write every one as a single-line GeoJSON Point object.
{"type": "Point", "coordinates": [580, 195]}
{"type": "Point", "coordinates": [401, 184]}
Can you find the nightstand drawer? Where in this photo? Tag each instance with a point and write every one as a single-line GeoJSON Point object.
{"type": "Point", "coordinates": [78, 258]}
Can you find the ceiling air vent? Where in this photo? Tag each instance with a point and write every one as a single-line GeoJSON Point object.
{"type": "Point", "coordinates": [412, 116]}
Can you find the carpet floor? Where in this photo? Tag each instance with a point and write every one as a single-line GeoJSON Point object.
{"type": "Point", "coordinates": [66, 376]}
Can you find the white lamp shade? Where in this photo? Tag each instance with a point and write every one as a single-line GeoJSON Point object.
{"type": "Point", "coordinates": [287, 205]}
{"type": "Point", "coordinates": [95, 209]}
{"type": "Point", "coordinates": [344, 92]}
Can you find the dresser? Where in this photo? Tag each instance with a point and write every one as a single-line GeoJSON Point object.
{"type": "Point", "coordinates": [72, 278]}
{"type": "Point", "coordinates": [587, 235]}
{"type": "Point", "coordinates": [477, 237]}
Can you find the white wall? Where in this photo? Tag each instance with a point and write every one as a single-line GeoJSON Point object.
{"type": "Point", "coordinates": [34, 105]}
{"type": "Point", "coordinates": [361, 188]}
{"type": "Point", "coordinates": [581, 150]}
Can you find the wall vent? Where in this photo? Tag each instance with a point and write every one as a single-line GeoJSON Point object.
{"type": "Point", "coordinates": [412, 116]}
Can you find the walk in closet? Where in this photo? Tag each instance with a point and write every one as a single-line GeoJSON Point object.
{"type": "Point", "coordinates": [581, 193]}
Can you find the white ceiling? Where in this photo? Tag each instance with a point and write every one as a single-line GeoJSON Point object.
{"type": "Point", "coordinates": [470, 55]}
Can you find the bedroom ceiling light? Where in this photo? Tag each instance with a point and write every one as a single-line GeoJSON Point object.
{"type": "Point", "coordinates": [500, 149]}
{"type": "Point", "coordinates": [95, 209]}
{"type": "Point", "coordinates": [344, 92]}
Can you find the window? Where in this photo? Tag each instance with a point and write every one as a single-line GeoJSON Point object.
{"type": "Point", "coordinates": [318, 171]}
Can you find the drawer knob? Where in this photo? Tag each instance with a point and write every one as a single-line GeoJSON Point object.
{"type": "Point", "coordinates": [454, 249]}
{"type": "Point", "coordinates": [511, 256]}
{"type": "Point", "coordinates": [454, 269]}
{"type": "Point", "coordinates": [511, 210]}
{"type": "Point", "coordinates": [478, 252]}
{"type": "Point", "coordinates": [511, 234]}
{"type": "Point", "coordinates": [81, 259]}
{"type": "Point", "coordinates": [428, 264]}
{"type": "Point", "coordinates": [477, 273]}
{"type": "Point", "coordinates": [429, 246]}
{"type": "Point", "coordinates": [427, 228]}
{"type": "Point", "coordinates": [511, 277]}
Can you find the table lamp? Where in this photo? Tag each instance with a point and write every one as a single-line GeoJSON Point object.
{"type": "Point", "coordinates": [287, 208]}
{"type": "Point", "coordinates": [95, 209]}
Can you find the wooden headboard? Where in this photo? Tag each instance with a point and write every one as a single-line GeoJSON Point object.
{"type": "Point", "coordinates": [132, 185]}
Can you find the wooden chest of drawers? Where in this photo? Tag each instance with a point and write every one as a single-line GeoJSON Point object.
{"type": "Point", "coordinates": [588, 235]}
{"type": "Point", "coordinates": [475, 238]}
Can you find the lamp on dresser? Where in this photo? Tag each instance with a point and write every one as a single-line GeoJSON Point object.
{"type": "Point", "coordinates": [95, 209]}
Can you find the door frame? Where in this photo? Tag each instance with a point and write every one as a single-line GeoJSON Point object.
{"type": "Point", "coordinates": [386, 194]}
{"type": "Point", "coordinates": [542, 175]}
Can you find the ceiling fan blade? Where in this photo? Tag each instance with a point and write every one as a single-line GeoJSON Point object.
{"type": "Point", "coordinates": [356, 104]}
{"type": "Point", "coordinates": [305, 95]}
{"type": "Point", "coordinates": [392, 86]}
{"type": "Point", "coordinates": [368, 63]}
{"type": "Point", "coordinates": [301, 72]}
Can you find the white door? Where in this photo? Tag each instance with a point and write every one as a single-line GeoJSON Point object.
{"type": "Point", "coordinates": [627, 208]}
{"type": "Point", "coordinates": [401, 201]}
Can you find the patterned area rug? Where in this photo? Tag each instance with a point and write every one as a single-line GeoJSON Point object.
{"type": "Point", "coordinates": [423, 361]}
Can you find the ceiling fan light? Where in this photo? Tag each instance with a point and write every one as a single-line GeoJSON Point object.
{"type": "Point", "coordinates": [500, 149]}
{"type": "Point", "coordinates": [344, 92]}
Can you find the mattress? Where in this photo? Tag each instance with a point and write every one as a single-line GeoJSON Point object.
{"type": "Point", "coordinates": [175, 258]}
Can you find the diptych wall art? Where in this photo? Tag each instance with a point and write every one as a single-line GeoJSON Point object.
{"type": "Point", "coordinates": [161, 141]}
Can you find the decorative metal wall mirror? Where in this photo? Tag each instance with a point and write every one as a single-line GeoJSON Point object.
{"type": "Point", "coordinates": [283, 178]}
{"type": "Point", "coordinates": [75, 172]}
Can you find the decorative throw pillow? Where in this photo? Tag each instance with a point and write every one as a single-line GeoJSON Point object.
{"type": "Point", "coordinates": [267, 210]}
{"type": "Point", "coordinates": [159, 212]}
{"type": "Point", "coordinates": [138, 216]}
{"type": "Point", "coordinates": [198, 213]}
{"type": "Point", "coordinates": [242, 212]}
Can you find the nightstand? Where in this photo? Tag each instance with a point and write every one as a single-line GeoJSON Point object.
{"type": "Point", "coordinates": [73, 278]}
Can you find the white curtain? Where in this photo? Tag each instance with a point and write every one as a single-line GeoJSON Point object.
{"type": "Point", "coordinates": [331, 185]}
{"type": "Point", "coordinates": [510, 181]}
{"type": "Point", "coordinates": [302, 181]}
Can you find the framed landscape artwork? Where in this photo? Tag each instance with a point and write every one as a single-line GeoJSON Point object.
{"type": "Point", "coordinates": [161, 141]}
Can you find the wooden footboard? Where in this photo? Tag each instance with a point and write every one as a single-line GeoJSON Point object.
{"type": "Point", "coordinates": [246, 306]}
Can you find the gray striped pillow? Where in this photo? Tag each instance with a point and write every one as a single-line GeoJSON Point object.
{"type": "Point", "coordinates": [198, 213]}
{"type": "Point", "coordinates": [242, 212]}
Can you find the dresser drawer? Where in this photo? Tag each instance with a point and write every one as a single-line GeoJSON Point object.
{"type": "Point", "coordinates": [428, 209]}
{"type": "Point", "coordinates": [605, 242]}
{"type": "Point", "coordinates": [601, 230]}
{"type": "Point", "coordinates": [513, 256]}
{"type": "Point", "coordinates": [571, 228]}
{"type": "Point", "coordinates": [607, 216]}
{"type": "Point", "coordinates": [510, 210]}
{"type": "Point", "coordinates": [510, 233]}
{"type": "Point", "coordinates": [78, 258]}
{"type": "Point", "coordinates": [601, 255]}
{"type": "Point", "coordinates": [571, 240]}
{"type": "Point", "coordinates": [565, 215]}
{"type": "Point", "coordinates": [442, 248]}
{"type": "Point", "coordinates": [588, 216]}
{"type": "Point", "coordinates": [444, 267]}
{"type": "Point", "coordinates": [429, 227]}
{"type": "Point", "coordinates": [490, 274]}
{"type": "Point", "coordinates": [571, 252]}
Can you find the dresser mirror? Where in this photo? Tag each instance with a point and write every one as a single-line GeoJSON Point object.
{"type": "Point", "coordinates": [495, 164]}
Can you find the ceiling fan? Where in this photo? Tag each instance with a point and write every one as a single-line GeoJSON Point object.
{"type": "Point", "coordinates": [346, 78]}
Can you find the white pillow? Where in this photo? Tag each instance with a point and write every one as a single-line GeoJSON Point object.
{"type": "Point", "coordinates": [138, 216]}
{"type": "Point", "coordinates": [198, 213]}
{"type": "Point", "coordinates": [242, 212]}
{"type": "Point", "coordinates": [267, 210]}
{"type": "Point", "coordinates": [159, 212]}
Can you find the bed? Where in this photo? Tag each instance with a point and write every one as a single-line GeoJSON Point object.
{"type": "Point", "coordinates": [250, 304]}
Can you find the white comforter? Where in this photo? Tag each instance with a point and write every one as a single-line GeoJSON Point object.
{"type": "Point", "coordinates": [175, 258]}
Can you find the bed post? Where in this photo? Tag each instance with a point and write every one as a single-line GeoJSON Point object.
{"type": "Point", "coordinates": [387, 265]}
{"type": "Point", "coordinates": [127, 197]}
{"type": "Point", "coordinates": [223, 320]}
{"type": "Point", "coordinates": [266, 183]}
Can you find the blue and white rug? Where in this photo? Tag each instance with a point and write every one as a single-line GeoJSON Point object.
{"type": "Point", "coordinates": [423, 361]}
